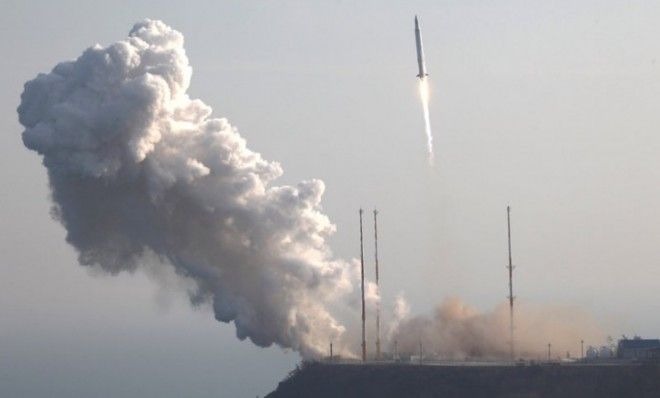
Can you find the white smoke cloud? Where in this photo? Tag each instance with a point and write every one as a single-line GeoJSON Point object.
{"type": "Point", "coordinates": [400, 311]}
{"type": "Point", "coordinates": [137, 168]}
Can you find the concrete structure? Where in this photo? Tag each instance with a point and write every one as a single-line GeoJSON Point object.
{"type": "Point", "coordinates": [638, 348]}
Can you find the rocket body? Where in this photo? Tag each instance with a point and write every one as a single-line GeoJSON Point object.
{"type": "Point", "coordinates": [420, 50]}
{"type": "Point", "coordinates": [424, 89]}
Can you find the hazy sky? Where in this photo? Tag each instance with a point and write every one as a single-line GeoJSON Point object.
{"type": "Point", "coordinates": [548, 106]}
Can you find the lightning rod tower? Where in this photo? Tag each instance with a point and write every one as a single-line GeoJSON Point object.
{"type": "Point", "coordinates": [511, 297]}
{"type": "Point", "coordinates": [377, 284]}
{"type": "Point", "coordinates": [364, 334]}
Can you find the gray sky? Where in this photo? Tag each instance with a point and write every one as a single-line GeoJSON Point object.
{"type": "Point", "coordinates": [548, 106]}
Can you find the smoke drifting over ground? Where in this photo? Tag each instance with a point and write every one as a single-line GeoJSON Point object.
{"type": "Point", "coordinates": [458, 331]}
{"type": "Point", "coordinates": [138, 168]}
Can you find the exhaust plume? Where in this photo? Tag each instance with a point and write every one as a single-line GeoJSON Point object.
{"type": "Point", "coordinates": [458, 331]}
{"type": "Point", "coordinates": [424, 94]}
{"type": "Point", "coordinates": [138, 170]}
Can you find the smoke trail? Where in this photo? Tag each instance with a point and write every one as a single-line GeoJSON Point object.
{"type": "Point", "coordinates": [424, 94]}
{"type": "Point", "coordinates": [456, 330]}
{"type": "Point", "coordinates": [138, 170]}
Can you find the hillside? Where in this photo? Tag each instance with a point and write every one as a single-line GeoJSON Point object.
{"type": "Point", "coordinates": [318, 380]}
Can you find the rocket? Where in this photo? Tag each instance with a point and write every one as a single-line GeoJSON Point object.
{"type": "Point", "coordinates": [420, 51]}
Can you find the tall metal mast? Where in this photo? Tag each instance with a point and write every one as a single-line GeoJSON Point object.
{"type": "Point", "coordinates": [510, 267]}
{"type": "Point", "coordinates": [364, 334]}
{"type": "Point", "coordinates": [377, 285]}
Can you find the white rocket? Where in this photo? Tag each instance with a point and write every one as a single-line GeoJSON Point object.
{"type": "Point", "coordinates": [420, 51]}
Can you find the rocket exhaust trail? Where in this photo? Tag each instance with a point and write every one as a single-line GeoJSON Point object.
{"type": "Point", "coordinates": [424, 89]}
{"type": "Point", "coordinates": [424, 95]}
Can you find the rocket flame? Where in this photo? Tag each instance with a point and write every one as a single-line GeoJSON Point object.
{"type": "Point", "coordinates": [424, 94]}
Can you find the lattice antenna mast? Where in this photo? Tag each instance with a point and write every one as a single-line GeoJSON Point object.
{"type": "Point", "coordinates": [511, 296]}
{"type": "Point", "coordinates": [364, 333]}
{"type": "Point", "coordinates": [377, 284]}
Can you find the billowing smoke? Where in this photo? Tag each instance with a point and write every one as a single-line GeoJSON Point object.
{"type": "Point", "coordinates": [400, 312]}
{"type": "Point", "coordinates": [458, 331]}
{"type": "Point", "coordinates": [139, 170]}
